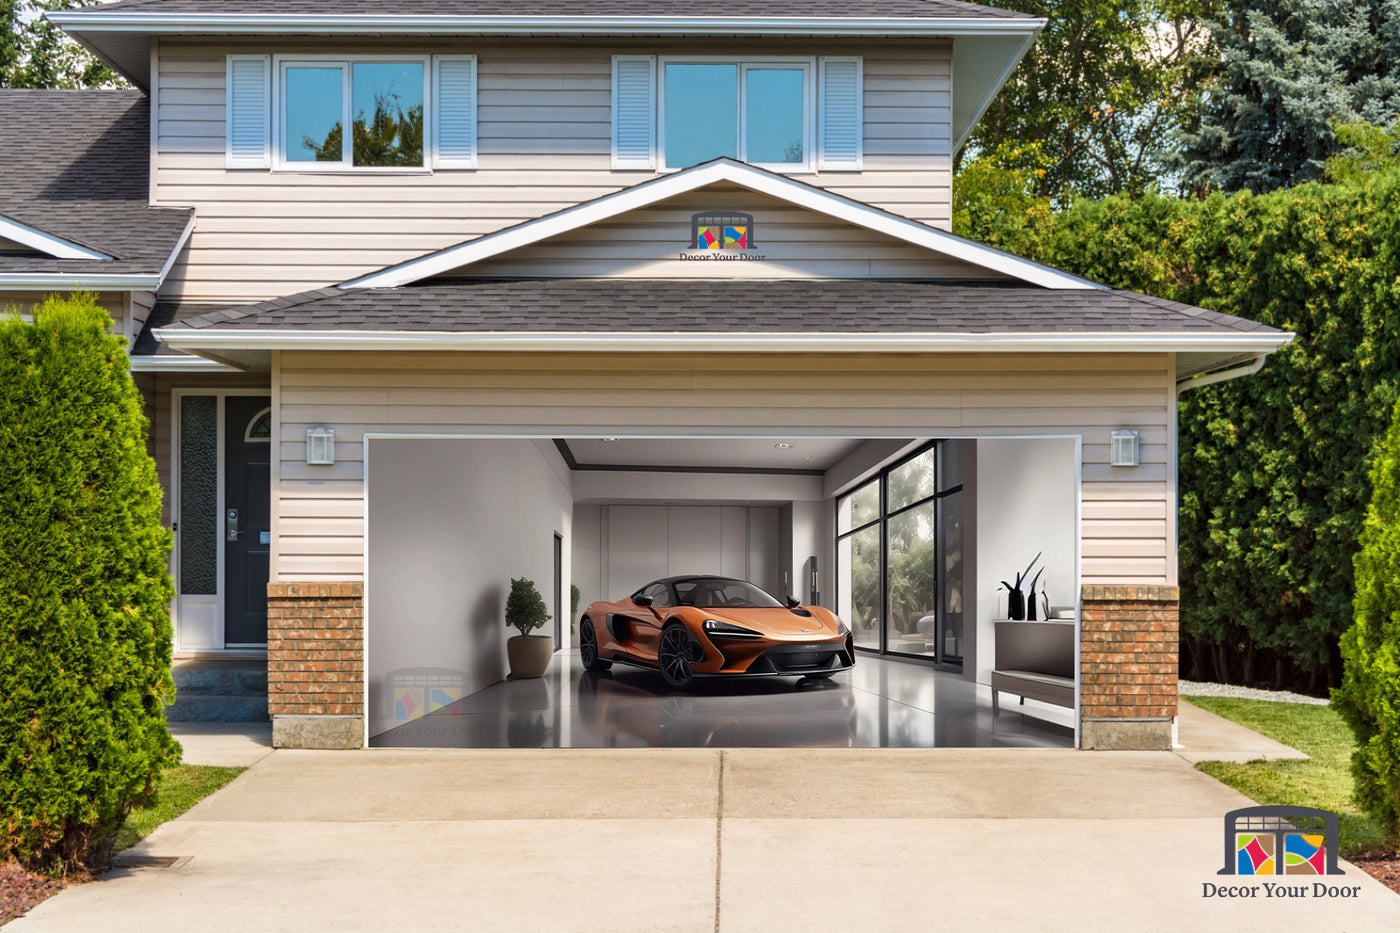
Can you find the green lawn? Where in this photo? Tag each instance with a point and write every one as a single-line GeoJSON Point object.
{"type": "Point", "coordinates": [1324, 781]}
{"type": "Point", "coordinates": [180, 788]}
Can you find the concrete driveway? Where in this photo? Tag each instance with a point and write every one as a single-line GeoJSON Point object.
{"type": "Point", "coordinates": [701, 840]}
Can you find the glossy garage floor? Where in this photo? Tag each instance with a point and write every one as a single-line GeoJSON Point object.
{"type": "Point", "coordinates": [880, 703]}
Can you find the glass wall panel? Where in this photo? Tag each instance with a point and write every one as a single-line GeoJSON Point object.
{"type": "Point", "coordinates": [387, 103]}
{"type": "Point", "coordinates": [702, 113]}
{"type": "Point", "coordinates": [313, 112]}
{"type": "Point", "coordinates": [859, 558]}
{"type": "Point", "coordinates": [773, 117]}
{"type": "Point", "coordinates": [913, 480]}
{"type": "Point", "coordinates": [950, 546]}
{"type": "Point", "coordinates": [911, 622]}
{"type": "Point", "coordinates": [199, 495]}
{"type": "Point", "coordinates": [859, 507]}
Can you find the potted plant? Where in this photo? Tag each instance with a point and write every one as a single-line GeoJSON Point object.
{"type": "Point", "coordinates": [529, 655]}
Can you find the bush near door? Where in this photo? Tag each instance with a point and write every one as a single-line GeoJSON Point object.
{"type": "Point", "coordinates": [84, 590]}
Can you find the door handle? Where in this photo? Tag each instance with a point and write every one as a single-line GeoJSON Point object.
{"type": "Point", "coordinates": [233, 524]}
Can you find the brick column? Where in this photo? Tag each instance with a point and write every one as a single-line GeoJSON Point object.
{"type": "Point", "coordinates": [1128, 661]}
{"type": "Point", "coordinates": [315, 664]}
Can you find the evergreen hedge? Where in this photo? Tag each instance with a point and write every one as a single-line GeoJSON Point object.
{"type": "Point", "coordinates": [1369, 698]}
{"type": "Point", "coordinates": [1274, 466]}
{"type": "Point", "coordinates": [84, 589]}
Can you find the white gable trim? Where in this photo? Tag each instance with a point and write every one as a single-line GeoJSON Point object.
{"type": "Point", "coordinates": [46, 243]}
{"type": "Point", "coordinates": [709, 173]}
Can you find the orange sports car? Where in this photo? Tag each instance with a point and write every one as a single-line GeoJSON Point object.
{"type": "Point", "coordinates": [705, 626]}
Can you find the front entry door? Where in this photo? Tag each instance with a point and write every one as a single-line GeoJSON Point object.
{"type": "Point", "coordinates": [246, 525]}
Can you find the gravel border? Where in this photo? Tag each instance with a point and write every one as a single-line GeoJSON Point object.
{"type": "Point", "coordinates": [1197, 688]}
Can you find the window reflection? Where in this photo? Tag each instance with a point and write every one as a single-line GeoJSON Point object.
{"type": "Point", "coordinates": [314, 109]}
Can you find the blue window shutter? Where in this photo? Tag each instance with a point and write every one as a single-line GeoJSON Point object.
{"type": "Point", "coordinates": [454, 111]}
{"type": "Point", "coordinates": [634, 112]}
{"type": "Point", "coordinates": [840, 117]}
{"type": "Point", "coordinates": [248, 103]}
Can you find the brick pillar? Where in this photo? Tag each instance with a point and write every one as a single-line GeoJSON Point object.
{"type": "Point", "coordinates": [316, 664]}
{"type": "Point", "coordinates": [1128, 660]}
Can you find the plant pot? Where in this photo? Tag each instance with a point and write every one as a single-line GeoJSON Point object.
{"type": "Point", "coordinates": [529, 655]}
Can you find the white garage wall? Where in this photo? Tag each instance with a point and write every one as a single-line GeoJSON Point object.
{"type": "Point", "coordinates": [618, 548]}
{"type": "Point", "coordinates": [1025, 502]}
{"type": "Point", "coordinates": [450, 522]}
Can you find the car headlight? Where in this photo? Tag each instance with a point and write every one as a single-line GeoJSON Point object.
{"type": "Point", "coordinates": [716, 628]}
{"type": "Point", "coordinates": [841, 627]}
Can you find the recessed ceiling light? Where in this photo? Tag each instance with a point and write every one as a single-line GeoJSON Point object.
{"type": "Point", "coordinates": [782, 446]}
{"type": "Point", "coordinates": [609, 440]}
{"type": "Point", "coordinates": [809, 459]}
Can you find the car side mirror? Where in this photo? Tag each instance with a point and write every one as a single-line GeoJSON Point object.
{"type": "Point", "coordinates": [643, 601]}
{"type": "Point", "coordinates": [793, 602]}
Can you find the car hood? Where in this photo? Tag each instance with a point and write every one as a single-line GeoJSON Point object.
{"type": "Point", "coordinates": [774, 621]}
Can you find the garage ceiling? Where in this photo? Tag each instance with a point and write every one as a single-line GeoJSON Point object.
{"type": "Point", "coordinates": [744, 453]}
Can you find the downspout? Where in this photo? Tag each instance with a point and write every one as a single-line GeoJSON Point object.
{"type": "Point", "coordinates": [1223, 375]}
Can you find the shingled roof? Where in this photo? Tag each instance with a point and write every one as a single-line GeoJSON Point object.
{"type": "Point", "coordinates": [618, 305]}
{"type": "Point", "coordinates": [853, 9]}
{"type": "Point", "coordinates": [76, 166]}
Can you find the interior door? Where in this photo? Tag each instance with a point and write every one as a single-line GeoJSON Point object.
{"type": "Point", "coordinates": [247, 525]}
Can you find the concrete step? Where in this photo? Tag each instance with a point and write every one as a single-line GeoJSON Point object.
{"type": "Point", "coordinates": [220, 678]}
{"type": "Point", "coordinates": [217, 708]}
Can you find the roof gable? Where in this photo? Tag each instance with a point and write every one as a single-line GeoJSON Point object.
{"type": "Point", "coordinates": [724, 175]}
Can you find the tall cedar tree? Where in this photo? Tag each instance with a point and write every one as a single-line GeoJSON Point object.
{"type": "Point", "coordinates": [1091, 108]}
{"type": "Point", "coordinates": [84, 589]}
{"type": "Point", "coordinates": [1290, 72]}
{"type": "Point", "coordinates": [1369, 698]}
{"type": "Point", "coordinates": [36, 54]}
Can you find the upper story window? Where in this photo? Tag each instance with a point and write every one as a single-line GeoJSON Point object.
{"type": "Point", "coordinates": [785, 114]}
{"type": "Point", "coordinates": [362, 114]}
{"type": "Point", "coordinates": [757, 112]}
{"type": "Point", "coordinates": [381, 101]}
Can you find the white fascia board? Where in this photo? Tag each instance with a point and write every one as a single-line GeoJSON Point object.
{"type": "Point", "coordinates": [47, 243]}
{"type": "Point", "coordinates": [207, 340]}
{"type": "Point", "coordinates": [721, 170]}
{"type": "Point", "coordinates": [95, 20]}
{"type": "Point", "coordinates": [177, 364]}
{"type": "Point", "coordinates": [77, 280]}
{"type": "Point", "coordinates": [175, 253]}
{"type": "Point", "coordinates": [992, 91]}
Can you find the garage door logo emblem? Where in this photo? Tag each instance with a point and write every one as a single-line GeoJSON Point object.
{"type": "Point", "coordinates": [1277, 840]}
{"type": "Point", "coordinates": [722, 235]}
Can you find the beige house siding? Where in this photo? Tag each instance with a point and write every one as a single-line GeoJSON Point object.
{"type": "Point", "coordinates": [544, 144]}
{"type": "Point", "coordinates": [1127, 524]}
{"type": "Point", "coordinates": [115, 303]}
{"type": "Point", "coordinates": [138, 308]}
{"type": "Point", "coordinates": [793, 241]}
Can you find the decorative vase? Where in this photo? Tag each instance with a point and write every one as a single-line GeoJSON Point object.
{"type": "Point", "coordinates": [1015, 605]}
{"type": "Point", "coordinates": [529, 655]}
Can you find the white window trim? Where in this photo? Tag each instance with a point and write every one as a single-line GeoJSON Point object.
{"type": "Point", "coordinates": [745, 64]}
{"type": "Point", "coordinates": [430, 133]}
{"type": "Point", "coordinates": [280, 64]}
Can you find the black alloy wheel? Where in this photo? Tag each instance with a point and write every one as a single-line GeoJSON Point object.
{"type": "Point", "coordinates": [588, 647]}
{"type": "Point", "coordinates": [677, 655]}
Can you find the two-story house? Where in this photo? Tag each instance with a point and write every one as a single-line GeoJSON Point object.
{"type": "Point", "coordinates": [426, 296]}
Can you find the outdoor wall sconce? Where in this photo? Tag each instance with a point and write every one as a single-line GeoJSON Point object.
{"type": "Point", "coordinates": [320, 446]}
{"type": "Point", "coordinates": [1123, 451]}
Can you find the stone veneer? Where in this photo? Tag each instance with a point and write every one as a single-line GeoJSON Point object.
{"type": "Point", "coordinates": [1128, 665]}
{"type": "Point", "coordinates": [316, 664]}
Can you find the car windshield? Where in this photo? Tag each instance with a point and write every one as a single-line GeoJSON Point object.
{"type": "Point", "coordinates": [720, 593]}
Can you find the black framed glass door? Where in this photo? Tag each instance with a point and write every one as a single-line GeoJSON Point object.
{"type": "Point", "coordinates": [899, 555]}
